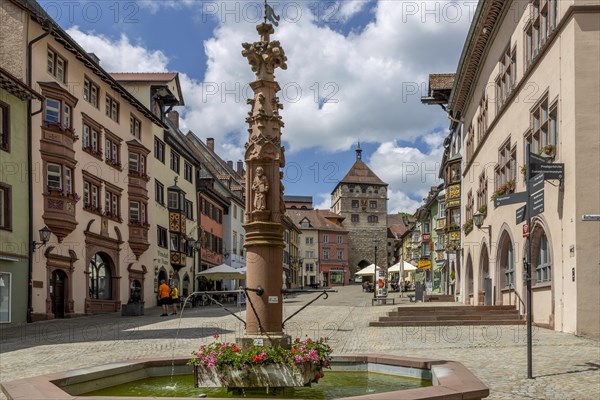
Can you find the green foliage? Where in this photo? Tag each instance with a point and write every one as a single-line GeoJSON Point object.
{"type": "Point", "coordinates": [222, 355]}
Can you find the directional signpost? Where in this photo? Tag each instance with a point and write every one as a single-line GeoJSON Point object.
{"type": "Point", "coordinates": [538, 171]}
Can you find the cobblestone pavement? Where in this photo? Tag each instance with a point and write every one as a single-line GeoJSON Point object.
{"type": "Point", "coordinates": [564, 366]}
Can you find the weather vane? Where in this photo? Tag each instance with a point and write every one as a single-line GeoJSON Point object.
{"type": "Point", "coordinates": [270, 14]}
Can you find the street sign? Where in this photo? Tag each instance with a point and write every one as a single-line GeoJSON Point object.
{"type": "Point", "coordinates": [550, 171]}
{"type": "Point", "coordinates": [534, 159]}
{"type": "Point", "coordinates": [525, 231]}
{"type": "Point", "coordinates": [537, 203]}
{"type": "Point", "coordinates": [510, 199]}
{"type": "Point", "coordinates": [521, 214]}
{"type": "Point", "coordinates": [536, 183]}
{"type": "Point", "coordinates": [590, 217]}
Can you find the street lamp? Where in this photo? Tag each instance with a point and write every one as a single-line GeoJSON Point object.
{"type": "Point", "coordinates": [375, 245]}
{"type": "Point", "coordinates": [44, 237]}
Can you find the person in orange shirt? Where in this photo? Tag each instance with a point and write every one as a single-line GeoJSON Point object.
{"type": "Point", "coordinates": [164, 293]}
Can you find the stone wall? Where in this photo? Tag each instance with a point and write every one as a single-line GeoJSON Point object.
{"type": "Point", "coordinates": [12, 39]}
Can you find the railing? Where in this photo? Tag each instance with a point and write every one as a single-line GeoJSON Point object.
{"type": "Point", "coordinates": [511, 287]}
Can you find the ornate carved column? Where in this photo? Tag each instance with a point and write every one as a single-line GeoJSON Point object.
{"type": "Point", "coordinates": [264, 190]}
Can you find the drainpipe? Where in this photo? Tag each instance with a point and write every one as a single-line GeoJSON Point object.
{"type": "Point", "coordinates": [47, 25]}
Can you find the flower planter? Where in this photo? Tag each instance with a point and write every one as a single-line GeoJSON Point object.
{"type": "Point", "coordinates": [258, 376]}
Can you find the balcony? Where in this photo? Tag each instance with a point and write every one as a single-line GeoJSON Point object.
{"type": "Point", "coordinates": [441, 223]}
{"type": "Point", "coordinates": [59, 212]}
{"type": "Point", "coordinates": [58, 142]}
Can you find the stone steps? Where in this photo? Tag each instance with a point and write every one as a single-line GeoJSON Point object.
{"type": "Point", "coordinates": [451, 315]}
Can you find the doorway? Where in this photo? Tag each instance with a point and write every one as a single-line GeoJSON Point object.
{"type": "Point", "coordinates": [57, 293]}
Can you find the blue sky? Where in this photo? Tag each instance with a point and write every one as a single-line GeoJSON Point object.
{"type": "Point", "coordinates": [356, 71]}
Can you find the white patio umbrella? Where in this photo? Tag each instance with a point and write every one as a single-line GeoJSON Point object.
{"type": "Point", "coordinates": [223, 271]}
{"type": "Point", "coordinates": [369, 270]}
{"type": "Point", "coordinates": [405, 267]}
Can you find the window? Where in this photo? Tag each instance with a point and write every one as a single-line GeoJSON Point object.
{"type": "Point", "coordinates": [161, 237]}
{"type": "Point", "coordinates": [189, 210]}
{"type": "Point", "coordinates": [326, 254]}
{"type": "Point", "coordinates": [57, 66]}
{"type": "Point", "coordinates": [241, 245]}
{"type": "Point", "coordinates": [188, 171]}
{"type": "Point", "coordinates": [100, 278]}
{"type": "Point", "coordinates": [373, 204]}
{"type": "Point", "coordinates": [159, 150]}
{"type": "Point", "coordinates": [455, 217]}
{"type": "Point", "coordinates": [544, 128]}
{"type": "Point", "coordinates": [355, 204]}
{"type": "Point", "coordinates": [373, 219]}
{"type": "Point", "coordinates": [310, 254]}
{"type": "Point", "coordinates": [175, 161]}
{"type": "Point", "coordinates": [354, 218]}
{"type": "Point", "coordinates": [426, 227]}
{"type": "Point", "coordinates": [135, 126]}
{"type": "Point", "coordinates": [340, 255]}
{"type": "Point", "coordinates": [235, 209]}
{"type": "Point", "coordinates": [174, 242]}
{"type": "Point", "coordinates": [54, 176]}
{"type": "Point", "coordinates": [111, 204]}
{"type": "Point", "coordinates": [134, 211]}
{"type": "Point", "coordinates": [442, 210]}
{"type": "Point", "coordinates": [470, 144]}
{"type": "Point", "coordinates": [90, 92]}
{"type": "Point", "coordinates": [137, 164]}
{"type": "Point", "coordinates": [469, 206]}
{"type": "Point", "coordinates": [4, 127]}
{"type": "Point", "coordinates": [543, 22]}
{"type": "Point", "coordinates": [309, 240]}
{"type": "Point", "coordinates": [235, 242]}
{"type": "Point", "coordinates": [57, 112]}
{"type": "Point", "coordinates": [310, 267]}
{"type": "Point", "coordinates": [507, 78]}
{"type": "Point", "coordinates": [506, 168]}
{"type": "Point", "coordinates": [482, 194]}
{"type": "Point", "coordinates": [159, 192]}
{"type": "Point", "coordinates": [91, 197]}
{"type": "Point", "coordinates": [112, 151]}
{"type": "Point", "coordinates": [112, 108]}
{"type": "Point", "coordinates": [173, 198]}
{"type": "Point", "coordinates": [6, 295]}
{"type": "Point", "coordinates": [509, 274]}
{"type": "Point", "coordinates": [482, 122]}
{"type": "Point", "coordinates": [325, 238]}
{"type": "Point", "coordinates": [339, 239]}
{"type": "Point", "coordinates": [91, 140]}
{"type": "Point", "coordinates": [5, 207]}
{"type": "Point", "coordinates": [544, 268]}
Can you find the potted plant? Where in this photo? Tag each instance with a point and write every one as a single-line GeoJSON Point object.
{"type": "Point", "coordinates": [524, 171]}
{"type": "Point", "coordinates": [468, 226]}
{"type": "Point", "coordinates": [483, 209]}
{"type": "Point", "coordinates": [548, 150]}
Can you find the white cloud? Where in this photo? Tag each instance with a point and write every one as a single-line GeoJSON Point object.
{"type": "Point", "coordinates": [349, 8]}
{"type": "Point", "coordinates": [409, 171]}
{"type": "Point", "coordinates": [120, 55]}
{"type": "Point", "coordinates": [322, 201]}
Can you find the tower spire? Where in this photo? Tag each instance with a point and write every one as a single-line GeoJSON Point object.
{"type": "Point", "coordinates": [358, 152]}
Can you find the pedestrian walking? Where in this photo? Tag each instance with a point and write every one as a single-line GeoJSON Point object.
{"type": "Point", "coordinates": [174, 293]}
{"type": "Point", "coordinates": [164, 294]}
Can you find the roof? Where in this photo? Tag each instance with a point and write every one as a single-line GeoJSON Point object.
{"type": "Point", "coordinates": [398, 224]}
{"type": "Point", "coordinates": [441, 81]}
{"type": "Point", "coordinates": [298, 199]}
{"type": "Point", "coordinates": [144, 76]}
{"type": "Point", "coordinates": [17, 88]}
{"type": "Point", "coordinates": [360, 173]}
{"type": "Point", "coordinates": [318, 219]}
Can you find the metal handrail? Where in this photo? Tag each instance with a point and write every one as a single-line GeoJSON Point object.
{"type": "Point", "coordinates": [511, 287]}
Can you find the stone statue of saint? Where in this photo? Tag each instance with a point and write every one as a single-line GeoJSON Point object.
{"type": "Point", "coordinates": [260, 186]}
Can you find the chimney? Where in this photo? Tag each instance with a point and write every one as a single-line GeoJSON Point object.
{"type": "Point", "coordinates": [210, 143]}
{"type": "Point", "coordinates": [174, 118]}
{"type": "Point", "coordinates": [230, 164]}
{"type": "Point", "coordinates": [240, 168]}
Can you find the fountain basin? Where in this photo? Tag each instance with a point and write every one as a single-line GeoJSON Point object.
{"type": "Point", "coordinates": [449, 379]}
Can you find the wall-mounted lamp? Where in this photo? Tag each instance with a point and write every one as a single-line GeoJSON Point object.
{"type": "Point", "coordinates": [478, 222]}
{"type": "Point", "coordinates": [44, 238]}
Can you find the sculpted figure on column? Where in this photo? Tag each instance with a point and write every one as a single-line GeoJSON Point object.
{"type": "Point", "coordinates": [260, 186]}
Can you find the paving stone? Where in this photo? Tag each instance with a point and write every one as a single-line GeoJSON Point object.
{"type": "Point", "coordinates": [565, 366]}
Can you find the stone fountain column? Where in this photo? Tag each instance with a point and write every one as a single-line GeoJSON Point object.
{"type": "Point", "coordinates": [264, 193]}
